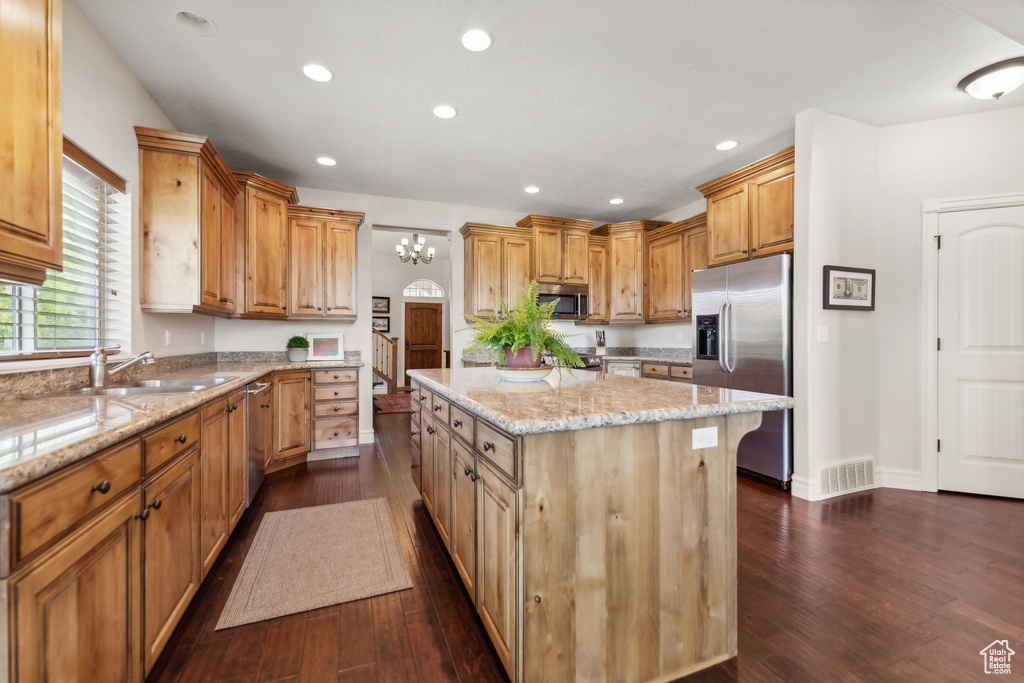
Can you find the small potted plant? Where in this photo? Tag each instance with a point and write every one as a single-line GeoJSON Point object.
{"type": "Point", "coordinates": [519, 336]}
{"type": "Point", "coordinates": [298, 349]}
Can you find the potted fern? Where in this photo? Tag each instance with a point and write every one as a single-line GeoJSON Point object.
{"type": "Point", "coordinates": [519, 336]}
{"type": "Point", "coordinates": [298, 349]}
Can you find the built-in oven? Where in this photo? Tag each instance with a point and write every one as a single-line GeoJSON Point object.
{"type": "Point", "coordinates": [570, 300]}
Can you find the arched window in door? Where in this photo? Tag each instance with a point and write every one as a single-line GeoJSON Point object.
{"type": "Point", "coordinates": [424, 289]}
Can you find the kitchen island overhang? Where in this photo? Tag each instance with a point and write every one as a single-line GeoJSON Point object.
{"type": "Point", "coordinates": [624, 552]}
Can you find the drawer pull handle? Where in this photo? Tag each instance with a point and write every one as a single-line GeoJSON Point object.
{"type": "Point", "coordinates": [335, 377]}
{"type": "Point", "coordinates": [423, 398]}
{"type": "Point", "coordinates": [102, 487]}
{"type": "Point", "coordinates": [335, 393]}
{"type": "Point", "coordinates": [467, 471]}
{"type": "Point", "coordinates": [181, 439]}
{"type": "Point", "coordinates": [335, 408]}
{"type": "Point", "coordinates": [457, 423]}
{"type": "Point", "coordinates": [488, 446]}
{"type": "Point", "coordinates": [144, 515]}
{"type": "Point", "coordinates": [156, 504]}
{"type": "Point", "coordinates": [335, 433]}
{"type": "Point", "coordinates": [437, 408]}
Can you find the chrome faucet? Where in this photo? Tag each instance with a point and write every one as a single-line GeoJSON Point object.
{"type": "Point", "coordinates": [99, 373]}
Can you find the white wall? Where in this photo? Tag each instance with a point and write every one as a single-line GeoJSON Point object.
{"type": "Point", "coordinates": [102, 101]}
{"type": "Point", "coordinates": [859, 192]}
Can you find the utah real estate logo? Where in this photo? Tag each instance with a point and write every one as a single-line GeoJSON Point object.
{"type": "Point", "coordinates": [997, 657]}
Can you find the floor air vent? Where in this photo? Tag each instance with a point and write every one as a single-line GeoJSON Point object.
{"type": "Point", "coordinates": [847, 477]}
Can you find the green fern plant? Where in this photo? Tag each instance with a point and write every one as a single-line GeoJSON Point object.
{"type": "Point", "coordinates": [525, 324]}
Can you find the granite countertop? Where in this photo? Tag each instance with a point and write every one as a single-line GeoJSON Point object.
{"type": "Point", "coordinates": [586, 399]}
{"type": "Point", "coordinates": [674, 360]}
{"type": "Point", "coordinates": [42, 434]}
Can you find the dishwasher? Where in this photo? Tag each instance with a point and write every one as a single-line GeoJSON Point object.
{"type": "Point", "coordinates": [258, 398]}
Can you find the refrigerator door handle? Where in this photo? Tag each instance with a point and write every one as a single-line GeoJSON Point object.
{"type": "Point", "coordinates": [721, 337]}
{"type": "Point", "coordinates": [729, 366]}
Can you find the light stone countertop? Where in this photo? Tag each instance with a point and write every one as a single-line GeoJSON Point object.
{"type": "Point", "coordinates": [673, 360]}
{"type": "Point", "coordinates": [586, 399]}
{"type": "Point", "coordinates": [43, 434]}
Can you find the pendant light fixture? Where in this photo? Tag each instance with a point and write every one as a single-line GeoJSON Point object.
{"type": "Point", "coordinates": [994, 81]}
{"type": "Point", "coordinates": [405, 254]}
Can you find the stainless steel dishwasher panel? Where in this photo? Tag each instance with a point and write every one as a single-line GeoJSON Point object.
{"type": "Point", "coordinates": [258, 404]}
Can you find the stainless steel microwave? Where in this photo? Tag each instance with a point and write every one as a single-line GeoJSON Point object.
{"type": "Point", "coordinates": [571, 301]}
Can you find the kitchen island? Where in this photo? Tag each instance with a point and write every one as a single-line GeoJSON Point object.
{"type": "Point", "coordinates": [595, 541]}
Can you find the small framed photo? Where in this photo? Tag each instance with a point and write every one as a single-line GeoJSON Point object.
{"type": "Point", "coordinates": [325, 346]}
{"type": "Point", "coordinates": [382, 323]}
{"type": "Point", "coordinates": [381, 304]}
{"type": "Point", "coordinates": [849, 289]}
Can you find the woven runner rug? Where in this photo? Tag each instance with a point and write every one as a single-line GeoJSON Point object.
{"type": "Point", "coordinates": [314, 557]}
{"type": "Point", "coordinates": [393, 403]}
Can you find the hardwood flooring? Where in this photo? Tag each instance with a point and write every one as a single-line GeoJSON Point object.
{"type": "Point", "coordinates": [883, 585]}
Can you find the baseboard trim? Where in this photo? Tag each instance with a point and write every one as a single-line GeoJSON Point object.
{"type": "Point", "coordinates": [900, 478]}
{"type": "Point", "coordinates": [365, 436]}
{"type": "Point", "coordinates": [801, 488]}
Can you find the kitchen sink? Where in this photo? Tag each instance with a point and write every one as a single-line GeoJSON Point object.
{"type": "Point", "coordinates": [201, 382]}
{"type": "Point", "coordinates": [146, 386]}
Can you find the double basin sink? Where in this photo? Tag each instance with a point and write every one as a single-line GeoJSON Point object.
{"type": "Point", "coordinates": [177, 385]}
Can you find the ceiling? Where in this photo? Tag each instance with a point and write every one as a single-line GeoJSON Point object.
{"type": "Point", "coordinates": [586, 99]}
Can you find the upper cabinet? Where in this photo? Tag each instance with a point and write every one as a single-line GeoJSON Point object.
{"type": "Point", "coordinates": [750, 211]}
{"type": "Point", "coordinates": [188, 207]}
{"type": "Point", "coordinates": [673, 253]}
{"type": "Point", "coordinates": [560, 249]}
{"type": "Point", "coordinates": [497, 264]}
{"type": "Point", "coordinates": [626, 269]}
{"type": "Point", "coordinates": [261, 224]}
{"type": "Point", "coordinates": [322, 262]}
{"type": "Point", "coordinates": [30, 139]}
{"type": "Point", "coordinates": [598, 276]}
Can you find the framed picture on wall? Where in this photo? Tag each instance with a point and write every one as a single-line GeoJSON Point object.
{"type": "Point", "coordinates": [326, 346]}
{"type": "Point", "coordinates": [380, 304]}
{"type": "Point", "coordinates": [382, 323]}
{"type": "Point", "coordinates": [849, 289]}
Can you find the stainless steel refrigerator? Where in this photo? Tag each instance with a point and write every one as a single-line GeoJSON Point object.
{"type": "Point", "coordinates": [743, 339]}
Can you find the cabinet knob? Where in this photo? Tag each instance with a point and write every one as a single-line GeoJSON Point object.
{"type": "Point", "coordinates": [437, 408]}
{"type": "Point", "coordinates": [335, 408]}
{"type": "Point", "coordinates": [457, 423]}
{"type": "Point", "coordinates": [488, 446]}
{"type": "Point", "coordinates": [467, 471]}
{"type": "Point", "coordinates": [328, 308]}
{"type": "Point", "coordinates": [319, 309]}
{"type": "Point", "coordinates": [102, 487]}
{"type": "Point", "coordinates": [181, 439]}
{"type": "Point", "coordinates": [752, 251]}
{"type": "Point", "coordinates": [284, 308]}
{"type": "Point", "coordinates": [335, 393]}
{"type": "Point", "coordinates": [423, 398]}
{"type": "Point", "coordinates": [335, 377]}
{"type": "Point", "coordinates": [430, 430]}
{"type": "Point", "coordinates": [335, 433]}
{"type": "Point", "coordinates": [156, 504]}
{"type": "Point", "coordinates": [144, 515]}
{"type": "Point", "coordinates": [474, 476]}
{"type": "Point", "coordinates": [223, 300]}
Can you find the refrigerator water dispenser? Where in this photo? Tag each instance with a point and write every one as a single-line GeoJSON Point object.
{"type": "Point", "coordinates": [707, 337]}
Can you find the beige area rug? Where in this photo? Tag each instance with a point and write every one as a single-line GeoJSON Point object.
{"type": "Point", "coordinates": [314, 557]}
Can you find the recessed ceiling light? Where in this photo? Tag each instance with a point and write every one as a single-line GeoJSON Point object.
{"type": "Point", "coordinates": [317, 72]}
{"type": "Point", "coordinates": [994, 81]}
{"type": "Point", "coordinates": [533, 189]}
{"type": "Point", "coordinates": [443, 111]}
{"type": "Point", "coordinates": [728, 144]}
{"type": "Point", "coordinates": [476, 40]}
{"type": "Point", "coordinates": [617, 200]}
{"type": "Point", "coordinates": [326, 161]}
{"type": "Point", "coordinates": [195, 23]}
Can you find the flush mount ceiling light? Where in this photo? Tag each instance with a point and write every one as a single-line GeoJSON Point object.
{"type": "Point", "coordinates": [196, 23]}
{"type": "Point", "coordinates": [617, 200]}
{"type": "Point", "coordinates": [994, 81]}
{"type": "Point", "coordinates": [326, 161]}
{"type": "Point", "coordinates": [533, 189]}
{"type": "Point", "coordinates": [476, 40]}
{"type": "Point", "coordinates": [415, 253]}
{"type": "Point", "coordinates": [725, 145]}
{"type": "Point", "coordinates": [317, 72]}
{"type": "Point", "coordinates": [443, 111]}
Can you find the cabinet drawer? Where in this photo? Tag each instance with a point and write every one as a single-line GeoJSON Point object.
{"type": "Point", "coordinates": [497, 447]}
{"type": "Point", "coordinates": [45, 510]}
{"type": "Point", "coordinates": [423, 398]}
{"type": "Point", "coordinates": [658, 370]}
{"type": "Point", "coordinates": [335, 392]}
{"type": "Point", "coordinates": [335, 433]}
{"type": "Point", "coordinates": [167, 442]}
{"type": "Point", "coordinates": [335, 408]}
{"type": "Point", "coordinates": [462, 424]}
{"type": "Point", "coordinates": [335, 376]}
{"type": "Point", "coordinates": [680, 373]}
{"type": "Point", "coordinates": [439, 409]}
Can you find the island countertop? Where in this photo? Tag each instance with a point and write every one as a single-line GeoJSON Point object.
{"type": "Point", "coordinates": [586, 399]}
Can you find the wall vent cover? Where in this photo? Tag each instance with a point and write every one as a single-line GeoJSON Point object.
{"type": "Point", "coordinates": [847, 477]}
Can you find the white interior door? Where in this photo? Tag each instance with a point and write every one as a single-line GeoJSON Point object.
{"type": "Point", "coordinates": [981, 359]}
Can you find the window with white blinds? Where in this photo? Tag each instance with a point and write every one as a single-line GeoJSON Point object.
{"type": "Point", "coordinates": [87, 304]}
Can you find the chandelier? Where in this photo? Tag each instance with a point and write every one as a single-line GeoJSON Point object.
{"type": "Point", "coordinates": [405, 253]}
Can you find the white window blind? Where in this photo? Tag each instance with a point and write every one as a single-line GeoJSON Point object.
{"type": "Point", "coordinates": [87, 304]}
{"type": "Point", "coordinates": [424, 288]}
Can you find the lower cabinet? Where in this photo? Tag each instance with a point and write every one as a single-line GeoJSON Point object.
{"type": "Point", "coordinates": [223, 467]}
{"type": "Point", "coordinates": [238, 458]}
{"type": "Point", "coordinates": [335, 408]}
{"type": "Point", "coordinates": [442, 482]}
{"type": "Point", "coordinates": [463, 527]}
{"type": "Point", "coordinates": [427, 462]}
{"type": "Point", "coordinates": [291, 416]}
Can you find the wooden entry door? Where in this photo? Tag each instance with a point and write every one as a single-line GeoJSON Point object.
{"type": "Point", "coordinates": [422, 336]}
{"type": "Point", "coordinates": [981, 352]}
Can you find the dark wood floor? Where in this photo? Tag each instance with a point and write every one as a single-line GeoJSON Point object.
{"type": "Point", "coordinates": [883, 585]}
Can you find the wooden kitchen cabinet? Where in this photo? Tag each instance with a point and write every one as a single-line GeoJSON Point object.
{"type": "Point", "coordinates": [30, 140]}
{"type": "Point", "coordinates": [322, 262]}
{"type": "Point", "coordinates": [238, 458]}
{"type": "Point", "coordinates": [695, 257]}
{"type": "Point", "coordinates": [224, 474]}
{"type": "Point", "coordinates": [188, 199]}
{"type": "Point", "coordinates": [335, 408]}
{"type": "Point", "coordinates": [427, 461]}
{"type": "Point", "coordinates": [75, 614]}
{"type": "Point", "coordinates": [598, 279]}
{"type": "Point", "coordinates": [291, 417]}
{"type": "Point", "coordinates": [626, 269]}
{"type": "Point", "coordinates": [498, 263]}
{"type": "Point", "coordinates": [172, 566]}
{"type": "Point", "coordinates": [261, 245]}
{"type": "Point", "coordinates": [463, 515]}
{"type": "Point", "coordinates": [560, 249]}
{"type": "Point", "coordinates": [669, 268]}
{"type": "Point", "coordinates": [442, 480]}
{"type": "Point", "coordinates": [750, 211]}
